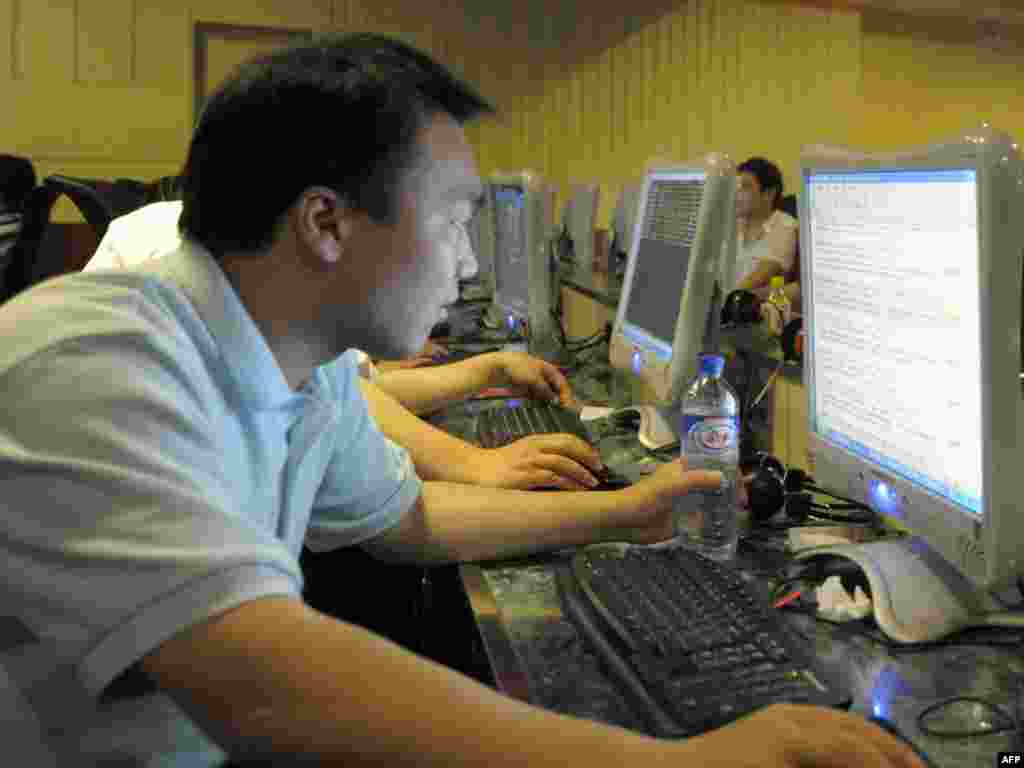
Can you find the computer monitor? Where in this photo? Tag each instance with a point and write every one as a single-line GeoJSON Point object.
{"type": "Point", "coordinates": [669, 307]}
{"type": "Point", "coordinates": [523, 225]}
{"type": "Point", "coordinates": [911, 272]}
{"type": "Point", "coordinates": [482, 240]}
{"type": "Point", "coordinates": [578, 220]}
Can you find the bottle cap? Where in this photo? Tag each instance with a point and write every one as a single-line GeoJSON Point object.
{"type": "Point", "coordinates": [712, 365]}
{"type": "Point", "coordinates": [777, 282]}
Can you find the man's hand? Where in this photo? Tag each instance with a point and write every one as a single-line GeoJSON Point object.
{"type": "Point", "coordinates": [654, 498]}
{"type": "Point", "coordinates": [548, 461]}
{"type": "Point", "coordinates": [792, 736]}
{"type": "Point", "coordinates": [537, 378]}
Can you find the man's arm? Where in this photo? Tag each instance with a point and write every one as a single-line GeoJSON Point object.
{"type": "Point", "coordinates": [761, 276]}
{"type": "Point", "coordinates": [465, 523]}
{"type": "Point", "coordinates": [435, 454]}
{"type": "Point", "coordinates": [559, 460]}
{"type": "Point", "coordinates": [275, 679]}
{"type": "Point", "coordinates": [422, 390]}
{"type": "Point", "coordinates": [427, 389]}
{"type": "Point", "coordinates": [781, 240]}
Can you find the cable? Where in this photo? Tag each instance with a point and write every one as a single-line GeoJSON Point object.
{"type": "Point", "coordinates": [588, 345]}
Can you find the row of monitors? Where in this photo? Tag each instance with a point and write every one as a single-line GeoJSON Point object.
{"type": "Point", "coordinates": [911, 272]}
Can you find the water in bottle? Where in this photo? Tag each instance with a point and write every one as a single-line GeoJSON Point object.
{"type": "Point", "coordinates": [706, 520]}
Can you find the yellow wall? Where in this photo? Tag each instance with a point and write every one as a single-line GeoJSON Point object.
{"type": "Point", "coordinates": [104, 88]}
{"type": "Point", "coordinates": [706, 75]}
{"type": "Point", "coordinates": [930, 79]}
{"type": "Point", "coordinates": [748, 77]}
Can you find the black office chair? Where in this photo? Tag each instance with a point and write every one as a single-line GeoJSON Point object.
{"type": "Point", "coordinates": [88, 195]}
{"type": "Point", "coordinates": [17, 180]}
{"type": "Point", "coordinates": [163, 189]}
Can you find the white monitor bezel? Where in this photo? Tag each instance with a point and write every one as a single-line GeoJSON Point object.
{"type": "Point", "coordinates": [483, 223]}
{"type": "Point", "coordinates": [529, 183]}
{"type": "Point", "coordinates": [538, 226]}
{"type": "Point", "coordinates": [715, 223]}
{"type": "Point", "coordinates": [984, 551]}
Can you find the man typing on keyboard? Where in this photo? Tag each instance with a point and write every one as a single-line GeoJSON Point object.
{"type": "Point", "coordinates": [395, 394]}
{"type": "Point", "coordinates": [175, 433]}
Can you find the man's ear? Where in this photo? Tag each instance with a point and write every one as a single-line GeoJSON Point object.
{"type": "Point", "coordinates": [323, 223]}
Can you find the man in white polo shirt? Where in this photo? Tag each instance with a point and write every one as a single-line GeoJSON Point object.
{"type": "Point", "coordinates": [171, 435]}
{"type": "Point", "coordinates": [565, 461]}
{"type": "Point", "coordinates": [766, 237]}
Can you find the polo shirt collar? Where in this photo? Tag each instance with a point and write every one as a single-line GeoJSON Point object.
{"type": "Point", "coordinates": [248, 361]}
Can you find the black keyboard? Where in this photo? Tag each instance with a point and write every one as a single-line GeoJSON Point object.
{"type": "Point", "coordinates": [691, 643]}
{"type": "Point", "coordinates": [496, 427]}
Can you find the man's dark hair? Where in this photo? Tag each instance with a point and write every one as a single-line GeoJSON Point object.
{"type": "Point", "coordinates": [340, 112]}
{"type": "Point", "coordinates": [767, 174]}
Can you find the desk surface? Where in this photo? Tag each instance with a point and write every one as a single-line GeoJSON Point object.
{"type": "Point", "coordinates": [537, 655]}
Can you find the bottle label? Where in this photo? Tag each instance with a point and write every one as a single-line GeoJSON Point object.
{"type": "Point", "coordinates": [713, 435]}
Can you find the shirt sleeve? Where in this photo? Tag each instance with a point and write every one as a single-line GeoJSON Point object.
{"type": "Point", "coordinates": [370, 482]}
{"type": "Point", "coordinates": [116, 529]}
{"type": "Point", "coordinates": [781, 239]}
{"type": "Point", "coordinates": [107, 254]}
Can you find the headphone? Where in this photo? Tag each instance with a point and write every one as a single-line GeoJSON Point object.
{"type": "Point", "coordinates": [741, 308]}
{"type": "Point", "coordinates": [772, 488]}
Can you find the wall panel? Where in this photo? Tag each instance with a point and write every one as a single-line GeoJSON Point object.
{"type": "Point", "coordinates": [163, 46]}
{"type": "Point", "coordinates": [692, 77]}
{"type": "Point", "coordinates": [8, 26]}
{"type": "Point", "coordinates": [105, 36]}
{"type": "Point", "coordinates": [45, 40]}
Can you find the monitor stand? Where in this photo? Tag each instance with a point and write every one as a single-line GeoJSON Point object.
{"type": "Point", "coordinates": [655, 430]}
{"type": "Point", "coordinates": [916, 595]}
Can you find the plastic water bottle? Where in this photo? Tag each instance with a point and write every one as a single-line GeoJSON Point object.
{"type": "Point", "coordinates": [706, 520]}
{"type": "Point", "coordinates": [778, 308]}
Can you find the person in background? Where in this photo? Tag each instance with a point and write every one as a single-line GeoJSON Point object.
{"type": "Point", "coordinates": [766, 238]}
{"type": "Point", "coordinates": [183, 426]}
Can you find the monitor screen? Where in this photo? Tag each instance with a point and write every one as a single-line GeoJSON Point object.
{"type": "Point", "coordinates": [662, 259]}
{"type": "Point", "coordinates": [511, 269]}
{"type": "Point", "coordinates": [896, 316]}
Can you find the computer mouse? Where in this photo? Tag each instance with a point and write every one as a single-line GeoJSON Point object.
{"type": "Point", "coordinates": [891, 727]}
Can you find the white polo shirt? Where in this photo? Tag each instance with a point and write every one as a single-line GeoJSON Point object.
{"type": "Point", "coordinates": [157, 471]}
{"type": "Point", "coordinates": [778, 244]}
{"type": "Point", "coordinates": [144, 234]}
